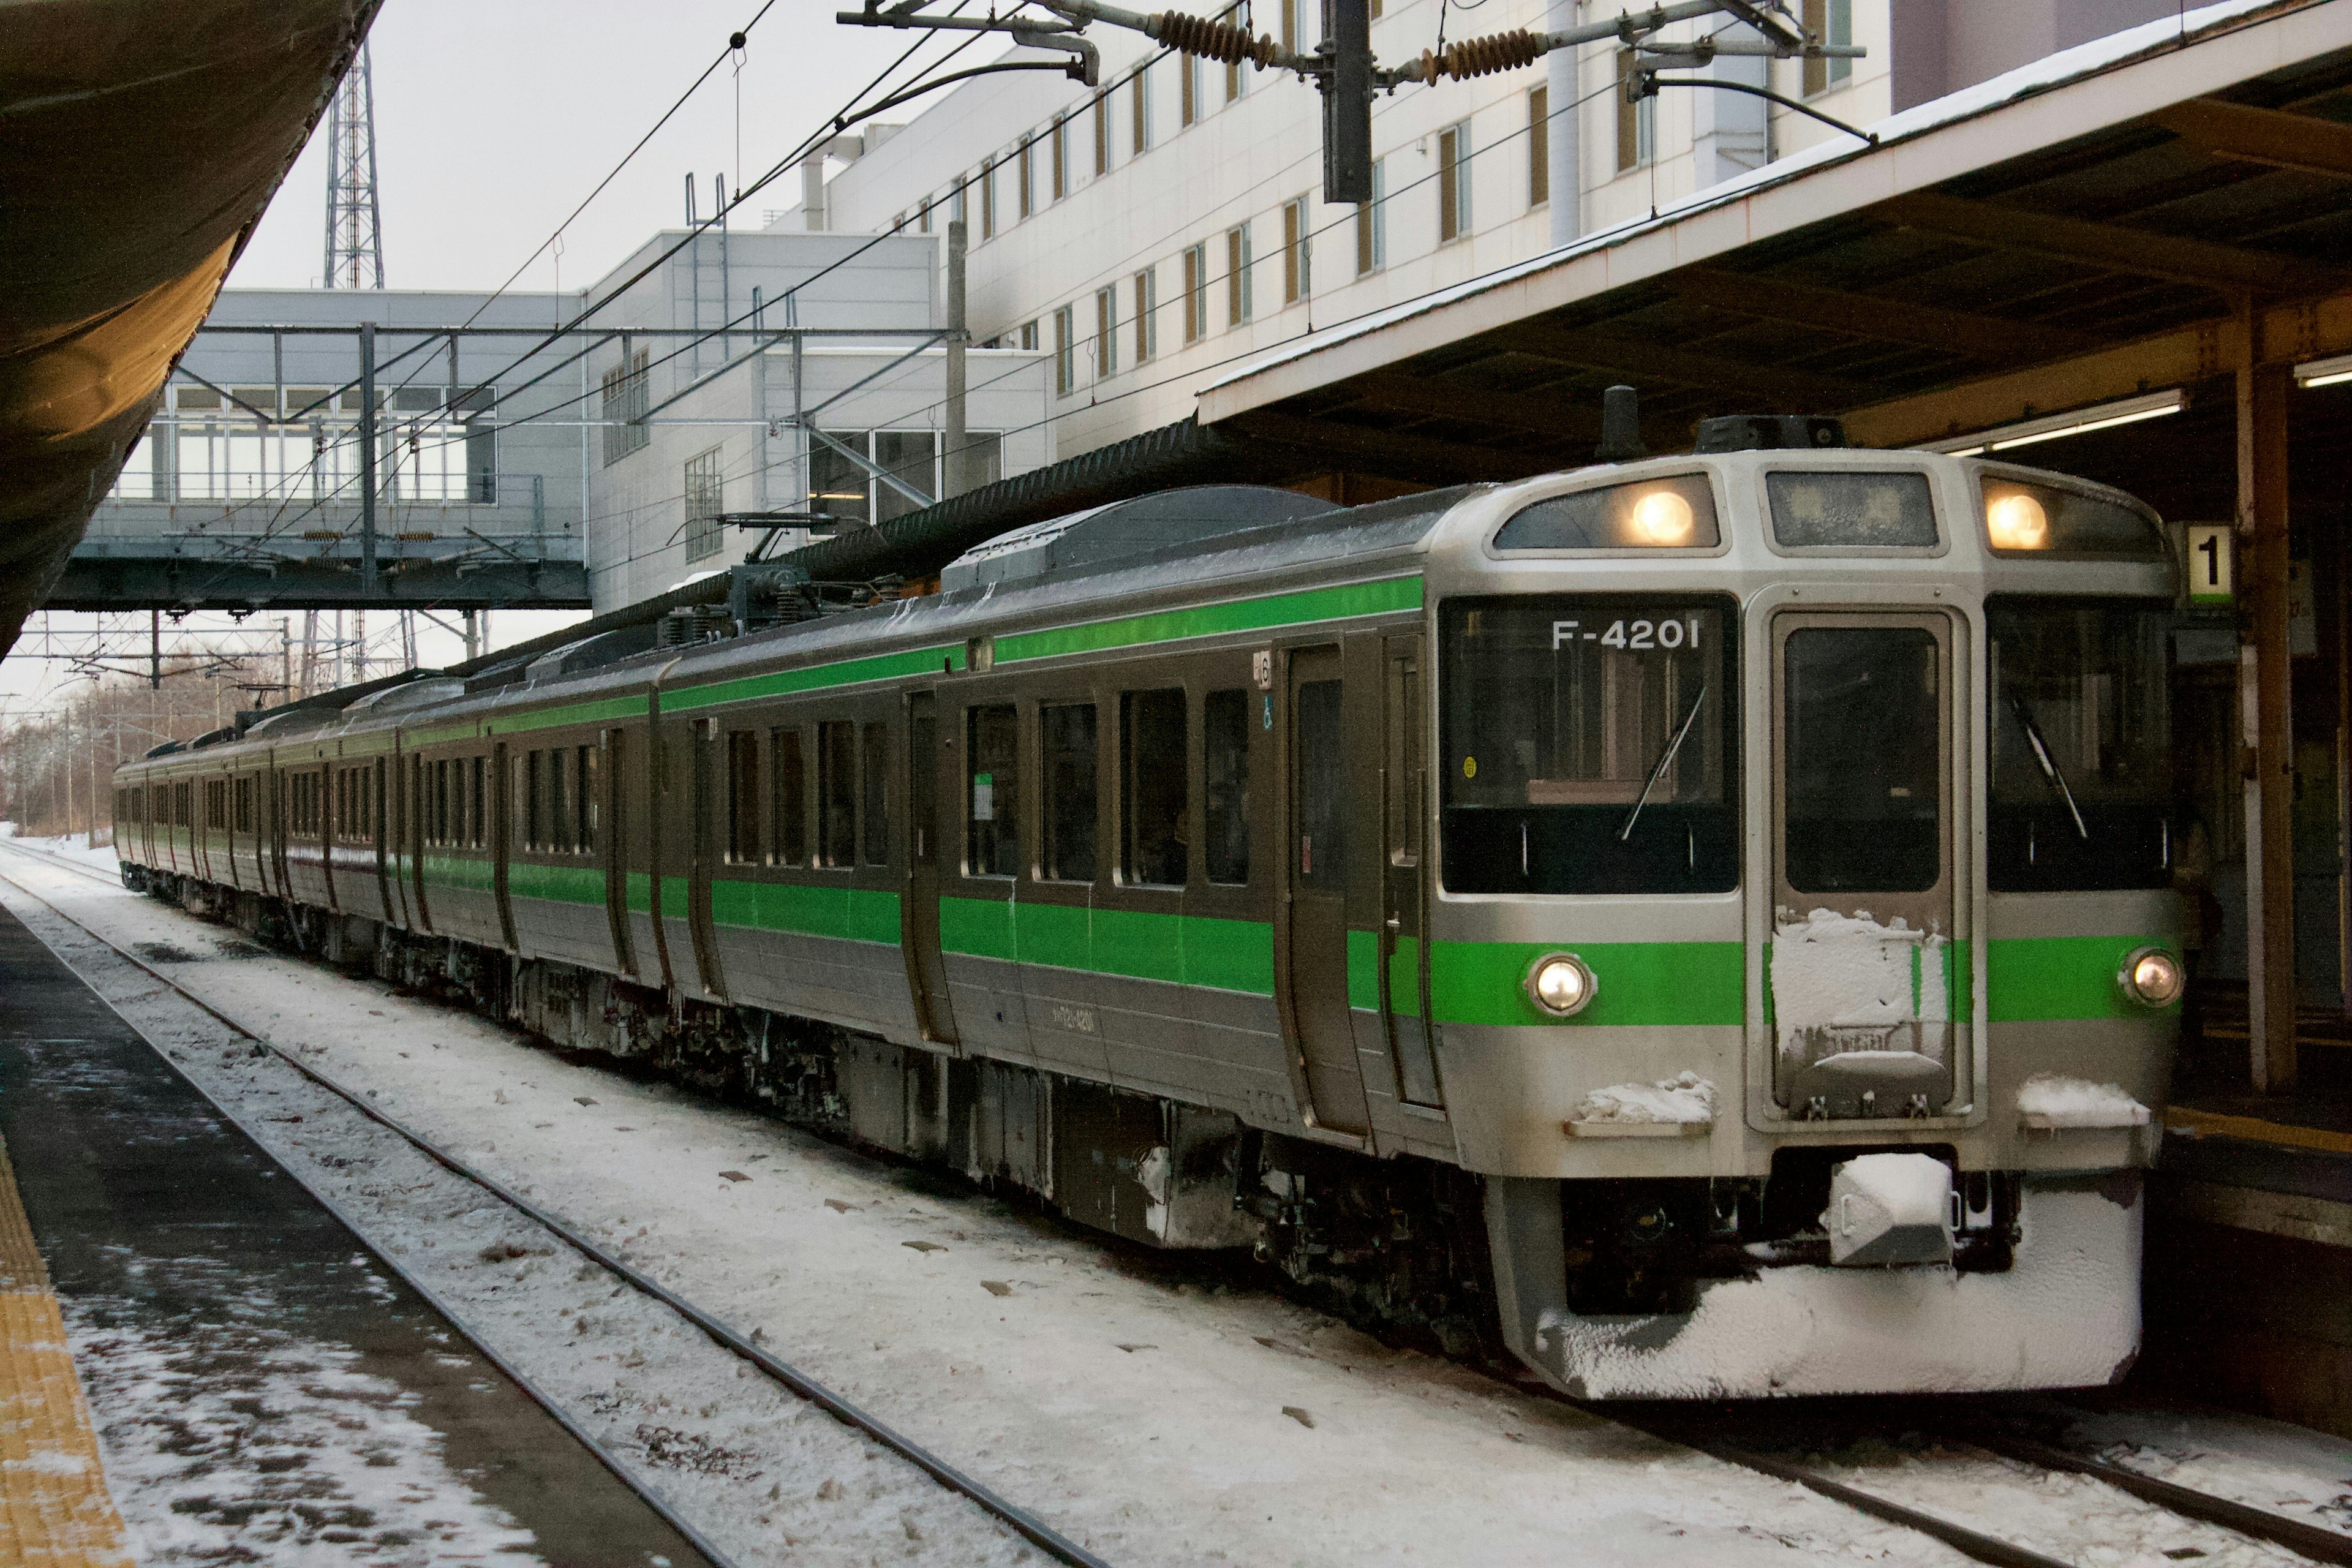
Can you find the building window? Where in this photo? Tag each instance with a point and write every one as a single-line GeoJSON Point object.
{"type": "Point", "coordinates": [1139, 106]}
{"type": "Point", "coordinates": [958, 203]}
{"type": "Point", "coordinates": [1237, 275]}
{"type": "Point", "coordinates": [1029, 336]}
{"type": "Point", "coordinates": [905, 455]}
{"type": "Point", "coordinates": [1105, 333]}
{"type": "Point", "coordinates": [1188, 89]}
{"type": "Point", "coordinates": [1027, 202]}
{"type": "Point", "coordinates": [1147, 315]}
{"type": "Point", "coordinates": [1101, 116]}
{"type": "Point", "coordinates": [1297, 249]}
{"type": "Point", "coordinates": [1289, 9]}
{"type": "Point", "coordinates": [1065, 348]}
{"type": "Point", "coordinates": [925, 222]}
{"type": "Point", "coordinates": [988, 198]}
{"type": "Point", "coordinates": [1637, 122]}
{"type": "Point", "coordinates": [837, 481]}
{"type": "Point", "coordinates": [1372, 224]}
{"type": "Point", "coordinates": [1831, 21]}
{"type": "Point", "coordinates": [1196, 293]}
{"type": "Point", "coordinates": [705, 491]}
{"type": "Point", "coordinates": [1060, 138]}
{"type": "Point", "coordinates": [1453, 182]}
{"type": "Point", "coordinates": [628, 392]}
{"type": "Point", "coordinates": [1539, 146]}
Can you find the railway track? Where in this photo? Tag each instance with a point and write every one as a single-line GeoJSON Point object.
{"type": "Point", "coordinates": [1696, 1430]}
{"type": "Point", "coordinates": [1027, 1525]}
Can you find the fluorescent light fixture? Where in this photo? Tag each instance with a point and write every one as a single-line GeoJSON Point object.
{"type": "Point", "coordinates": [2081, 422]}
{"type": "Point", "coordinates": [2324, 372]}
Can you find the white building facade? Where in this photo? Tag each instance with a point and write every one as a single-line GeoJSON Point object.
{"type": "Point", "coordinates": [1154, 231]}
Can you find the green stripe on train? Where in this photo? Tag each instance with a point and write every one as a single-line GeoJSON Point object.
{"type": "Point", "coordinates": [854, 914]}
{"type": "Point", "coordinates": [558, 884]}
{"type": "Point", "coordinates": [1184, 949]}
{"type": "Point", "coordinates": [1695, 985]}
{"type": "Point", "coordinates": [1386, 596]}
{"type": "Point", "coordinates": [817, 677]}
{"type": "Point", "coordinates": [458, 871]}
{"type": "Point", "coordinates": [2045, 979]}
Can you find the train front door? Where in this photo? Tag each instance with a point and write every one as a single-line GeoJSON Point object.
{"type": "Point", "coordinates": [1864, 971]}
{"type": "Point", "coordinates": [1314, 971]}
{"type": "Point", "coordinates": [918, 910]}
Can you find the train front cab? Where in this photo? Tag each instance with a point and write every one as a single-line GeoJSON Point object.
{"type": "Point", "coordinates": [1791, 818]}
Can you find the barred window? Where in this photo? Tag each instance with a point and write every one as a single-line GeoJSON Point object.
{"type": "Point", "coordinates": [705, 491]}
{"type": "Point", "coordinates": [628, 394]}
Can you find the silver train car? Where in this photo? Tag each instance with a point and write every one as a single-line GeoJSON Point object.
{"type": "Point", "coordinates": [1703, 923]}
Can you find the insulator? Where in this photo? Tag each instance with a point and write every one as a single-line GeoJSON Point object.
{"type": "Point", "coordinates": [1214, 40]}
{"type": "Point", "coordinates": [1494, 52]}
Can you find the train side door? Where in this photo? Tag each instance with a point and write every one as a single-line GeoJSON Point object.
{"type": "Point", "coordinates": [1404, 875]}
{"type": "Point", "coordinates": [703, 855]}
{"type": "Point", "coordinates": [612, 847]}
{"type": "Point", "coordinates": [918, 910]}
{"type": "Point", "coordinates": [1863, 972]}
{"type": "Point", "coordinates": [420, 821]}
{"type": "Point", "coordinates": [502, 836]}
{"type": "Point", "coordinates": [1314, 952]}
{"type": "Point", "coordinates": [383, 824]}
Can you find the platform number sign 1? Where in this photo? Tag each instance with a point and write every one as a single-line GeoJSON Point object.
{"type": "Point", "coordinates": [2209, 563]}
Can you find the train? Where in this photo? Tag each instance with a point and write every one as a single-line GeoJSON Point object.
{"type": "Point", "coordinates": [1700, 924]}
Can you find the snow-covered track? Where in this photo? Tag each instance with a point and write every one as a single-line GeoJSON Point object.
{"type": "Point", "coordinates": [1020, 1521]}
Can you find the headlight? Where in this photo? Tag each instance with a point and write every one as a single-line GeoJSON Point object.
{"type": "Point", "coordinates": [2152, 977]}
{"type": "Point", "coordinates": [1558, 984]}
{"type": "Point", "coordinates": [1664, 518]}
{"type": "Point", "coordinates": [2016, 522]}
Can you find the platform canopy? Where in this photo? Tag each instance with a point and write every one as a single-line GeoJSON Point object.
{"type": "Point", "coordinates": [2090, 227]}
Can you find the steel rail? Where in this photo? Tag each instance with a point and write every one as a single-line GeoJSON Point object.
{"type": "Point", "coordinates": [414, 1281]}
{"type": "Point", "coordinates": [1031, 1528]}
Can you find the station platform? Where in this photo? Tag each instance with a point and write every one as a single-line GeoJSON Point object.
{"type": "Point", "coordinates": [197, 1358]}
{"type": "Point", "coordinates": [2249, 1267]}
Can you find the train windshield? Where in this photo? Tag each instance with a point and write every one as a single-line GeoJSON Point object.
{"type": "Point", "coordinates": [1590, 745]}
{"type": "Point", "coordinates": [2082, 768]}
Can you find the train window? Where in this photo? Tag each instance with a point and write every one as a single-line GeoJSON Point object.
{"type": "Point", "coordinates": [1864, 799]}
{"type": "Point", "coordinates": [534, 799]}
{"type": "Point", "coordinates": [590, 776]}
{"type": "Point", "coordinates": [561, 834]}
{"type": "Point", "coordinates": [2081, 758]}
{"type": "Point", "coordinates": [791, 807]}
{"type": "Point", "coordinates": [874, 809]}
{"type": "Point", "coordinates": [743, 800]}
{"type": "Point", "coordinates": [992, 795]}
{"type": "Point", "coordinates": [1154, 775]}
{"type": "Point", "coordinates": [1225, 745]}
{"type": "Point", "coordinates": [2025, 519]}
{"type": "Point", "coordinates": [244, 805]}
{"type": "Point", "coordinates": [478, 802]}
{"type": "Point", "coordinates": [1590, 745]}
{"type": "Point", "coordinates": [1674, 513]}
{"type": "Point", "coordinates": [1323, 813]}
{"type": "Point", "coordinates": [836, 792]}
{"type": "Point", "coordinates": [1066, 793]}
{"type": "Point", "coordinates": [1851, 509]}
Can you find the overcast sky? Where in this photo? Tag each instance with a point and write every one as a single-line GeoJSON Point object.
{"type": "Point", "coordinates": [493, 119]}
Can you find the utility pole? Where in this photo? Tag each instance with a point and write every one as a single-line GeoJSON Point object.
{"type": "Point", "coordinates": [952, 470]}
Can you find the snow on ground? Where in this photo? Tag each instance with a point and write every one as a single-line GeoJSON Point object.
{"type": "Point", "coordinates": [2288, 1470]}
{"type": "Point", "coordinates": [235, 1442]}
{"type": "Point", "coordinates": [73, 847]}
{"type": "Point", "coordinates": [2074, 1518]}
{"type": "Point", "coordinates": [1159, 1424]}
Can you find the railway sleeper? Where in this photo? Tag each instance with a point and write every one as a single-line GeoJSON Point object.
{"type": "Point", "coordinates": [1395, 1246]}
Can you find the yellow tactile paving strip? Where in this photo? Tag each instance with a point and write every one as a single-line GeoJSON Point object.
{"type": "Point", "coordinates": [55, 1510]}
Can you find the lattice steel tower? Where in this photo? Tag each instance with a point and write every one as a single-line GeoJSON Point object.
{"type": "Point", "coordinates": [354, 220]}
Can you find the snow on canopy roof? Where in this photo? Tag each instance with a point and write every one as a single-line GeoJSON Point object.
{"type": "Point", "coordinates": [1864, 174]}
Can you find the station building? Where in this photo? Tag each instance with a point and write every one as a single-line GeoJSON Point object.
{"type": "Point", "coordinates": [528, 455]}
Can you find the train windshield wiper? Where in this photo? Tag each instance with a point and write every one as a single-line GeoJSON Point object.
{"type": "Point", "coordinates": [2049, 764]}
{"type": "Point", "coordinates": [1665, 760]}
